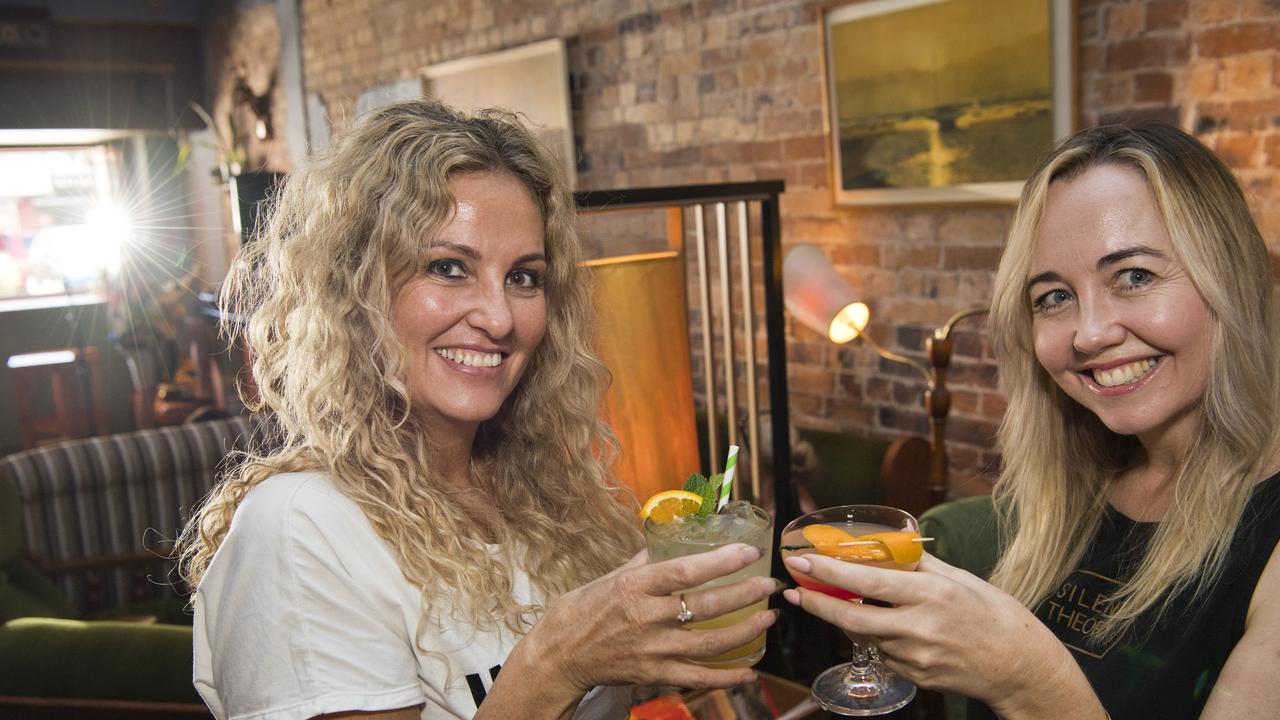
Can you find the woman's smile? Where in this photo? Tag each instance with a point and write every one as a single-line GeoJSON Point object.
{"type": "Point", "coordinates": [1121, 378]}
{"type": "Point", "coordinates": [470, 359]}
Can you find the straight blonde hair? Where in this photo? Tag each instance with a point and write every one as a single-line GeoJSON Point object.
{"type": "Point", "coordinates": [316, 292]}
{"type": "Point", "coordinates": [1059, 458]}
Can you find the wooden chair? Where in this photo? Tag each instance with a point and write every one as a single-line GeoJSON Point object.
{"type": "Point", "coordinates": [157, 401]}
{"type": "Point", "coordinates": [58, 394]}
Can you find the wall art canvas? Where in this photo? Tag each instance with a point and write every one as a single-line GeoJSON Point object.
{"type": "Point", "coordinates": [933, 101]}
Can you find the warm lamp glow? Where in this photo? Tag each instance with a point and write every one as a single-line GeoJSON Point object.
{"type": "Point", "coordinates": [819, 298]}
{"type": "Point", "coordinates": [849, 323]}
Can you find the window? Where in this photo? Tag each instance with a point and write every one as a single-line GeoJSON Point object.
{"type": "Point", "coordinates": [60, 231]}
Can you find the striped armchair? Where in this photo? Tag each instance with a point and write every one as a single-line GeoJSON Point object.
{"type": "Point", "coordinates": [98, 516]}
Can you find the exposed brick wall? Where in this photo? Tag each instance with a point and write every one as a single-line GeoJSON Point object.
{"type": "Point", "coordinates": [1209, 66]}
{"type": "Point", "coordinates": [693, 91]}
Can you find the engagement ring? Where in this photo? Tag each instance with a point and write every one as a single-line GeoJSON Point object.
{"type": "Point", "coordinates": [685, 614]}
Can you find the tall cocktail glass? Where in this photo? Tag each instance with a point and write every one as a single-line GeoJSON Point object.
{"type": "Point", "coordinates": [738, 522]}
{"type": "Point", "coordinates": [864, 686]}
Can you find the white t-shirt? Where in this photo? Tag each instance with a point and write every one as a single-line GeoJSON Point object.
{"type": "Point", "coordinates": [305, 611]}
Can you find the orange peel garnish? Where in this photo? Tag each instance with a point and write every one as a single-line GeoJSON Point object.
{"type": "Point", "coordinates": [900, 545]}
{"type": "Point", "coordinates": [896, 546]}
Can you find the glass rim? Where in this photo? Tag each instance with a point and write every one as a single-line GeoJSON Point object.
{"type": "Point", "coordinates": [757, 511]}
{"type": "Point", "coordinates": [836, 508]}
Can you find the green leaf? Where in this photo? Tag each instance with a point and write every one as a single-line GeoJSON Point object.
{"type": "Point", "coordinates": [706, 487]}
{"type": "Point", "coordinates": [709, 495]}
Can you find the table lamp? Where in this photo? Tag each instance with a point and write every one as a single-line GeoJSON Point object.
{"type": "Point", "coordinates": [819, 298]}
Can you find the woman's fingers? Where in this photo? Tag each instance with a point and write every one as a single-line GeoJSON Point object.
{"type": "Point", "coordinates": [898, 587]}
{"type": "Point", "coordinates": [672, 576]}
{"type": "Point", "coordinates": [712, 643]}
{"type": "Point", "coordinates": [696, 677]}
{"type": "Point", "coordinates": [706, 604]}
{"type": "Point", "coordinates": [697, 644]}
{"type": "Point", "coordinates": [846, 615]}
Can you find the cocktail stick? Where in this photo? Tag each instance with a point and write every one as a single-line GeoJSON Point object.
{"type": "Point", "coordinates": [851, 543]}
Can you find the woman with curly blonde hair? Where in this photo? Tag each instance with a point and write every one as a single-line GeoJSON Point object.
{"type": "Point", "coordinates": [436, 508]}
{"type": "Point", "coordinates": [1134, 324]}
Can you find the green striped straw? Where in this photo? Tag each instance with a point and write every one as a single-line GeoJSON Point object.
{"type": "Point", "coordinates": [726, 485]}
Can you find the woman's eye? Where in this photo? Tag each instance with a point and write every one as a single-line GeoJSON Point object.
{"type": "Point", "coordinates": [1050, 300]}
{"type": "Point", "coordinates": [525, 279]}
{"type": "Point", "coordinates": [1135, 277]}
{"type": "Point", "coordinates": [446, 268]}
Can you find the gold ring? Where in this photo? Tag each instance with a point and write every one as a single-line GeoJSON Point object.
{"type": "Point", "coordinates": [685, 615]}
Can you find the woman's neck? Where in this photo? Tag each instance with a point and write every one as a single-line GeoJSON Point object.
{"type": "Point", "coordinates": [1144, 490]}
{"type": "Point", "coordinates": [451, 448]}
{"type": "Point", "coordinates": [468, 488]}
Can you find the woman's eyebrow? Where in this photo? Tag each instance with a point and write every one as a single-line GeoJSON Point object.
{"type": "Point", "coordinates": [531, 257]}
{"type": "Point", "coordinates": [454, 247]}
{"type": "Point", "coordinates": [1049, 276]}
{"type": "Point", "coordinates": [1103, 262]}
{"type": "Point", "coordinates": [1126, 253]}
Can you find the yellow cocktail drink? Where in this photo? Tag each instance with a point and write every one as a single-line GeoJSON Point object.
{"type": "Point", "coordinates": [738, 522]}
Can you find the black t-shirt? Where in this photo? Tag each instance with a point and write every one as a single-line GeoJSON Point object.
{"type": "Point", "coordinates": [1164, 667]}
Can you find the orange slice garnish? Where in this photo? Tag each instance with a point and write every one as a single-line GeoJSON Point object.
{"type": "Point", "coordinates": [667, 505]}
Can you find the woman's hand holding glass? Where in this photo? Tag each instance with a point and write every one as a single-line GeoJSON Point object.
{"type": "Point", "coordinates": [946, 630]}
{"type": "Point", "coordinates": [623, 629]}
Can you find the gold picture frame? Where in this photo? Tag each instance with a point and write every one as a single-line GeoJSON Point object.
{"type": "Point", "coordinates": [945, 101]}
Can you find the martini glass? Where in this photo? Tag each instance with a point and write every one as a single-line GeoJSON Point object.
{"type": "Point", "coordinates": [864, 686]}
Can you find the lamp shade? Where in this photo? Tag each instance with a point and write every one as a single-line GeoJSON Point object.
{"type": "Point", "coordinates": [817, 296]}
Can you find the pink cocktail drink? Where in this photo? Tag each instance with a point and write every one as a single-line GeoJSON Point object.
{"type": "Point", "coordinates": [794, 537]}
{"type": "Point", "coordinates": [871, 535]}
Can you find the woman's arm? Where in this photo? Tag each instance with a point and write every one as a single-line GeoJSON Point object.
{"type": "Point", "coordinates": [948, 630]}
{"type": "Point", "coordinates": [621, 630]}
{"type": "Point", "coordinates": [1247, 685]}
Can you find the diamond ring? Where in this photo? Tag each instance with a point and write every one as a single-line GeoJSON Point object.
{"type": "Point", "coordinates": [685, 615]}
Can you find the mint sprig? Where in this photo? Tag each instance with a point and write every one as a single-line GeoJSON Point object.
{"type": "Point", "coordinates": [706, 487]}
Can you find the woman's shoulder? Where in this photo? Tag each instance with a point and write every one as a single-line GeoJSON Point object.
{"type": "Point", "coordinates": [1263, 508]}
{"type": "Point", "coordinates": [1269, 487]}
{"type": "Point", "coordinates": [313, 496]}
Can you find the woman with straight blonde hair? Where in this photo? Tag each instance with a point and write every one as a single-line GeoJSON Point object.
{"type": "Point", "coordinates": [436, 507]}
{"type": "Point", "coordinates": [1134, 324]}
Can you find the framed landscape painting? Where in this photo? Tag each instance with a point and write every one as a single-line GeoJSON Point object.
{"type": "Point", "coordinates": [938, 101]}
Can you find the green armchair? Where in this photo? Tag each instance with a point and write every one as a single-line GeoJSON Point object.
{"type": "Point", "coordinates": [966, 536]}
{"type": "Point", "coordinates": [73, 561]}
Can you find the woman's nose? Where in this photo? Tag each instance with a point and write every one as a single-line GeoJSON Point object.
{"type": "Point", "coordinates": [1099, 326]}
{"type": "Point", "coordinates": [491, 310]}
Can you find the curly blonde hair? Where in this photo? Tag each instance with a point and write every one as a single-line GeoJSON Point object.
{"type": "Point", "coordinates": [1059, 458]}
{"type": "Point", "coordinates": [314, 294]}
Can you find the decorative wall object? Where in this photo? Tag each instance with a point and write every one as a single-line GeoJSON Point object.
{"type": "Point", "coordinates": [532, 80]}
{"type": "Point", "coordinates": [933, 101]}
